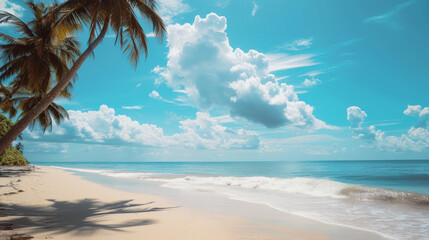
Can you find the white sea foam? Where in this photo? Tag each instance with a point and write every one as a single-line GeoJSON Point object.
{"type": "Point", "coordinates": [310, 186]}
{"type": "Point", "coordinates": [121, 174]}
{"type": "Point", "coordinates": [299, 185]}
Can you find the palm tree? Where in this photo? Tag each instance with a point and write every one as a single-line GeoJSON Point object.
{"type": "Point", "coordinates": [6, 100]}
{"type": "Point", "coordinates": [35, 61]}
{"type": "Point", "coordinates": [41, 55]}
{"type": "Point", "coordinates": [23, 100]}
{"type": "Point", "coordinates": [53, 112]}
{"type": "Point", "coordinates": [99, 15]}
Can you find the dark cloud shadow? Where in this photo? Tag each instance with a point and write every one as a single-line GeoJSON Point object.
{"type": "Point", "coordinates": [80, 217]}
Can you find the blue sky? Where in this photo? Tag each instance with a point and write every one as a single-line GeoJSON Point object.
{"type": "Point", "coordinates": [254, 80]}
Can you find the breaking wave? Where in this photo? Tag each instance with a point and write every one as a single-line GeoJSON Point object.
{"type": "Point", "coordinates": [299, 185]}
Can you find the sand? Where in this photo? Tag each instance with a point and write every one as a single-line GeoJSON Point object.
{"type": "Point", "coordinates": [50, 203]}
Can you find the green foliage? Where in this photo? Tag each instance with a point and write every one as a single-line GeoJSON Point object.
{"type": "Point", "coordinates": [5, 125]}
{"type": "Point", "coordinates": [20, 147]}
{"type": "Point", "coordinates": [35, 61]}
{"type": "Point", "coordinates": [11, 156]}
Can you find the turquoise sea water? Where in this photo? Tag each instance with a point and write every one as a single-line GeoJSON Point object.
{"type": "Point", "coordinates": [404, 175]}
{"type": "Point", "coordinates": [387, 197]}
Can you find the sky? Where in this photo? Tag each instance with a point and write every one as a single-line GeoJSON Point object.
{"type": "Point", "coordinates": [240, 80]}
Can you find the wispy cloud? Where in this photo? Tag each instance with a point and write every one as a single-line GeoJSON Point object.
{"type": "Point", "coordinates": [64, 101]}
{"type": "Point", "coordinates": [315, 138]}
{"type": "Point", "coordinates": [112, 35]}
{"type": "Point", "coordinates": [281, 78]}
{"type": "Point", "coordinates": [311, 74]}
{"type": "Point", "coordinates": [169, 9]}
{"type": "Point", "coordinates": [386, 18]}
{"type": "Point", "coordinates": [132, 107]}
{"type": "Point", "coordinates": [282, 61]}
{"type": "Point", "coordinates": [151, 34]}
{"type": "Point", "coordinates": [155, 95]}
{"type": "Point", "coordinates": [255, 8]}
{"type": "Point", "coordinates": [299, 44]}
{"type": "Point", "coordinates": [9, 6]}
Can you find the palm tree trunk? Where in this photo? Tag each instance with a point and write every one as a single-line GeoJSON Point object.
{"type": "Point", "coordinates": [28, 118]}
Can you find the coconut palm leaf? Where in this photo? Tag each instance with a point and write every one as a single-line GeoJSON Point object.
{"type": "Point", "coordinates": [38, 58]}
{"type": "Point", "coordinates": [121, 16]}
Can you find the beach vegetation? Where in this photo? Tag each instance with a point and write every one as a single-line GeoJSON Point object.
{"type": "Point", "coordinates": [12, 155]}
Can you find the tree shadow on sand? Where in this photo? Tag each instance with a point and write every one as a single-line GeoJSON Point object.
{"type": "Point", "coordinates": [81, 217]}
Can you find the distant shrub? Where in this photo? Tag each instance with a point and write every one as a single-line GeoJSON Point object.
{"type": "Point", "coordinates": [20, 147]}
{"type": "Point", "coordinates": [11, 156]}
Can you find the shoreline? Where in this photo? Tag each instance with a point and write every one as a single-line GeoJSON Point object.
{"type": "Point", "coordinates": [220, 204]}
{"type": "Point", "coordinates": [51, 203]}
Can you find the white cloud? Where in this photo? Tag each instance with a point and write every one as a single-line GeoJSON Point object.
{"type": "Point", "coordinates": [305, 139]}
{"type": "Point", "coordinates": [283, 61]}
{"type": "Point", "coordinates": [299, 44]}
{"type": "Point", "coordinates": [241, 82]}
{"type": "Point", "coordinates": [387, 18]}
{"type": "Point", "coordinates": [356, 116]}
{"type": "Point", "coordinates": [105, 127]}
{"type": "Point", "coordinates": [416, 139]}
{"type": "Point", "coordinates": [138, 85]}
{"type": "Point", "coordinates": [132, 107]}
{"type": "Point", "coordinates": [168, 9]}
{"type": "Point", "coordinates": [311, 74]}
{"type": "Point", "coordinates": [310, 83]}
{"type": "Point", "coordinates": [151, 34]}
{"type": "Point", "coordinates": [155, 95]}
{"type": "Point", "coordinates": [413, 110]}
{"type": "Point", "coordinates": [422, 114]}
{"type": "Point", "coordinates": [8, 6]}
{"type": "Point", "coordinates": [255, 8]}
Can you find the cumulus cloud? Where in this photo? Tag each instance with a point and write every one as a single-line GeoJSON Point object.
{"type": "Point", "coordinates": [356, 116]}
{"type": "Point", "coordinates": [202, 65]}
{"type": "Point", "coordinates": [299, 44]}
{"type": "Point", "coordinates": [155, 95]}
{"type": "Point", "coordinates": [422, 114]}
{"type": "Point", "coordinates": [311, 82]}
{"type": "Point", "coordinates": [168, 9]}
{"type": "Point", "coordinates": [9, 6]}
{"type": "Point", "coordinates": [416, 139]}
{"type": "Point", "coordinates": [105, 127]}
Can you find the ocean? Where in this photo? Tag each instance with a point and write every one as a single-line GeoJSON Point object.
{"type": "Point", "coordinates": [387, 197]}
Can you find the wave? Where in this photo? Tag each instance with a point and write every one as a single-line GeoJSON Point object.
{"type": "Point", "coordinates": [299, 185]}
{"type": "Point", "coordinates": [310, 186]}
{"type": "Point", "coordinates": [122, 174]}
{"type": "Point", "coordinates": [364, 193]}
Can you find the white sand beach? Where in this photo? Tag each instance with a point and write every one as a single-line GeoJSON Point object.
{"type": "Point", "coordinates": [49, 203]}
